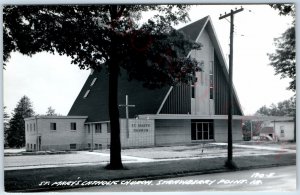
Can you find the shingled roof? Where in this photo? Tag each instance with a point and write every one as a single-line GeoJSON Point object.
{"type": "Point", "coordinates": [95, 104]}
{"type": "Point", "coordinates": [146, 101]}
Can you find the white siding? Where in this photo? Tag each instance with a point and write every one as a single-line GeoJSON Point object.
{"type": "Point", "coordinates": [203, 105]}
{"type": "Point", "coordinates": [172, 132]}
{"type": "Point", "coordinates": [221, 130]}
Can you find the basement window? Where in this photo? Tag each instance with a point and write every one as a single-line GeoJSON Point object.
{"type": "Point", "coordinates": [86, 93]}
{"type": "Point", "coordinates": [72, 146]}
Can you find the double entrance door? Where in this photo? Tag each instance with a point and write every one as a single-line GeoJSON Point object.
{"type": "Point", "coordinates": [202, 130]}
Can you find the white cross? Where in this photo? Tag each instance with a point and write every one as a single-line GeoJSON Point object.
{"type": "Point", "coordinates": [127, 114]}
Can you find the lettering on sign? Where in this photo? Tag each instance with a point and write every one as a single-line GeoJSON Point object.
{"type": "Point", "coordinates": [141, 127]}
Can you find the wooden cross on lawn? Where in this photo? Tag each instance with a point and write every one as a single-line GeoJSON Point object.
{"type": "Point", "coordinates": [126, 105]}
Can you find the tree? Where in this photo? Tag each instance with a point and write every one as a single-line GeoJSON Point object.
{"type": "Point", "coordinates": [247, 127]}
{"type": "Point", "coordinates": [51, 112]}
{"type": "Point", "coordinates": [5, 125]}
{"type": "Point", "coordinates": [16, 130]}
{"type": "Point", "coordinates": [284, 108]}
{"type": "Point", "coordinates": [284, 58]}
{"type": "Point", "coordinates": [109, 37]}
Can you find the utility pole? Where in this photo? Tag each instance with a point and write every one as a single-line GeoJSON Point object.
{"type": "Point", "coordinates": [229, 163]}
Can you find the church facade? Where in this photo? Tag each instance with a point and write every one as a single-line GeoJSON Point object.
{"type": "Point", "coordinates": [171, 115]}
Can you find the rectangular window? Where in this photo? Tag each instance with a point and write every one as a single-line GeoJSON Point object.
{"type": "Point", "coordinates": [108, 127]}
{"type": "Point", "coordinates": [73, 126]}
{"type": "Point", "coordinates": [93, 81]}
{"type": "Point", "coordinates": [34, 146]}
{"type": "Point", "coordinates": [52, 126]}
{"type": "Point", "coordinates": [72, 146]}
{"type": "Point", "coordinates": [89, 145]}
{"type": "Point", "coordinates": [100, 146]}
{"type": "Point", "coordinates": [33, 126]}
{"type": "Point", "coordinates": [86, 93]}
{"type": "Point", "coordinates": [30, 127]}
{"type": "Point", "coordinates": [108, 146]}
{"type": "Point", "coordinates": [97, 128]}
{"type": "Point", "coordinates": [27, 146]}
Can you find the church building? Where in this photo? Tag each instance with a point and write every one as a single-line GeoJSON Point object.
{"type": "Point", "coordinates": [148, 117]}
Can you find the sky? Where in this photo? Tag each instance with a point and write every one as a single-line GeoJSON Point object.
{"type": "Point", "coordinates": [51, 80]}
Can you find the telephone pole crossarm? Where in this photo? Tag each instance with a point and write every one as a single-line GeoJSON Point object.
{"type": "Point", "coordinates": [231, 13]}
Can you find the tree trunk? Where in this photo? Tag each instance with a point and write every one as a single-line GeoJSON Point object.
{"type": "Point", "coordinates": [113, 69]}
{"type": "Point", "coordinates": [115, 143]}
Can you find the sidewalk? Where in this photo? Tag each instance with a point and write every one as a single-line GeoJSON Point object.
{"type": "Point", "coordinates": [29, 180]}
{"type": "Point", "coordinates": [142, 155]}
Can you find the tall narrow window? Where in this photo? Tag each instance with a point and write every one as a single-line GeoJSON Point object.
{"type": "Point", "coordinates": [88, 128]}
{"type": "Point", "coordinates": [108, 127]}
{"type": "Point", "coordinates": [93, 81]}
{"type": "Point", "coordinates": [193, 91]}
{"type": "Point", "coordinates": [281, 131]}
{"type": "Point", "coordinates": [73, 126]}
{"type": "Point", "coordinates": [98, 128]}
{"type": "Point", "coordinates": [211, 80]}
{"type": "Point", "coordinates": [52, 126]}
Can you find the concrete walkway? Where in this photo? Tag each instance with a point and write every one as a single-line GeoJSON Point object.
{"type": "Point", "coordinates": [85, 158]}
{"type": "Point", "coordinates": [258, 147]}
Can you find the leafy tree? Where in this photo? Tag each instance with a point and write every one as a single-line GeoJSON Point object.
{"type": "Point", "coordinates": [5, 125]}
{"type": "Point", "coordinates": [51, 112]}
{"type": "Point", "coordinates": [284, 108]}
{"type": "Point", "coordinates": [109, 37]}
{"type": "Point", "coordinates": [284, 58]}
{"type": "Point", "coordinates": [16, 130]}
{"type": "Point", "coordinates": [256, 127]}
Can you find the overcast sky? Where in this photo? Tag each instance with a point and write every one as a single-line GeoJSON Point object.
{"type": "Point", "coordinates": [51, 80]}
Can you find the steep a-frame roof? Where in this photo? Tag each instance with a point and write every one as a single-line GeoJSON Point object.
{"type": "Point", "coordinates": [94, 103]}
{"type": "Point", "coordinates": [194, 31]}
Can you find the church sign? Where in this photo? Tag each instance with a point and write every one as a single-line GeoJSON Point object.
{"type": "Point", "coordinates": [141, 132]}
{"type": "Point", "coordinates": [141, 128]}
